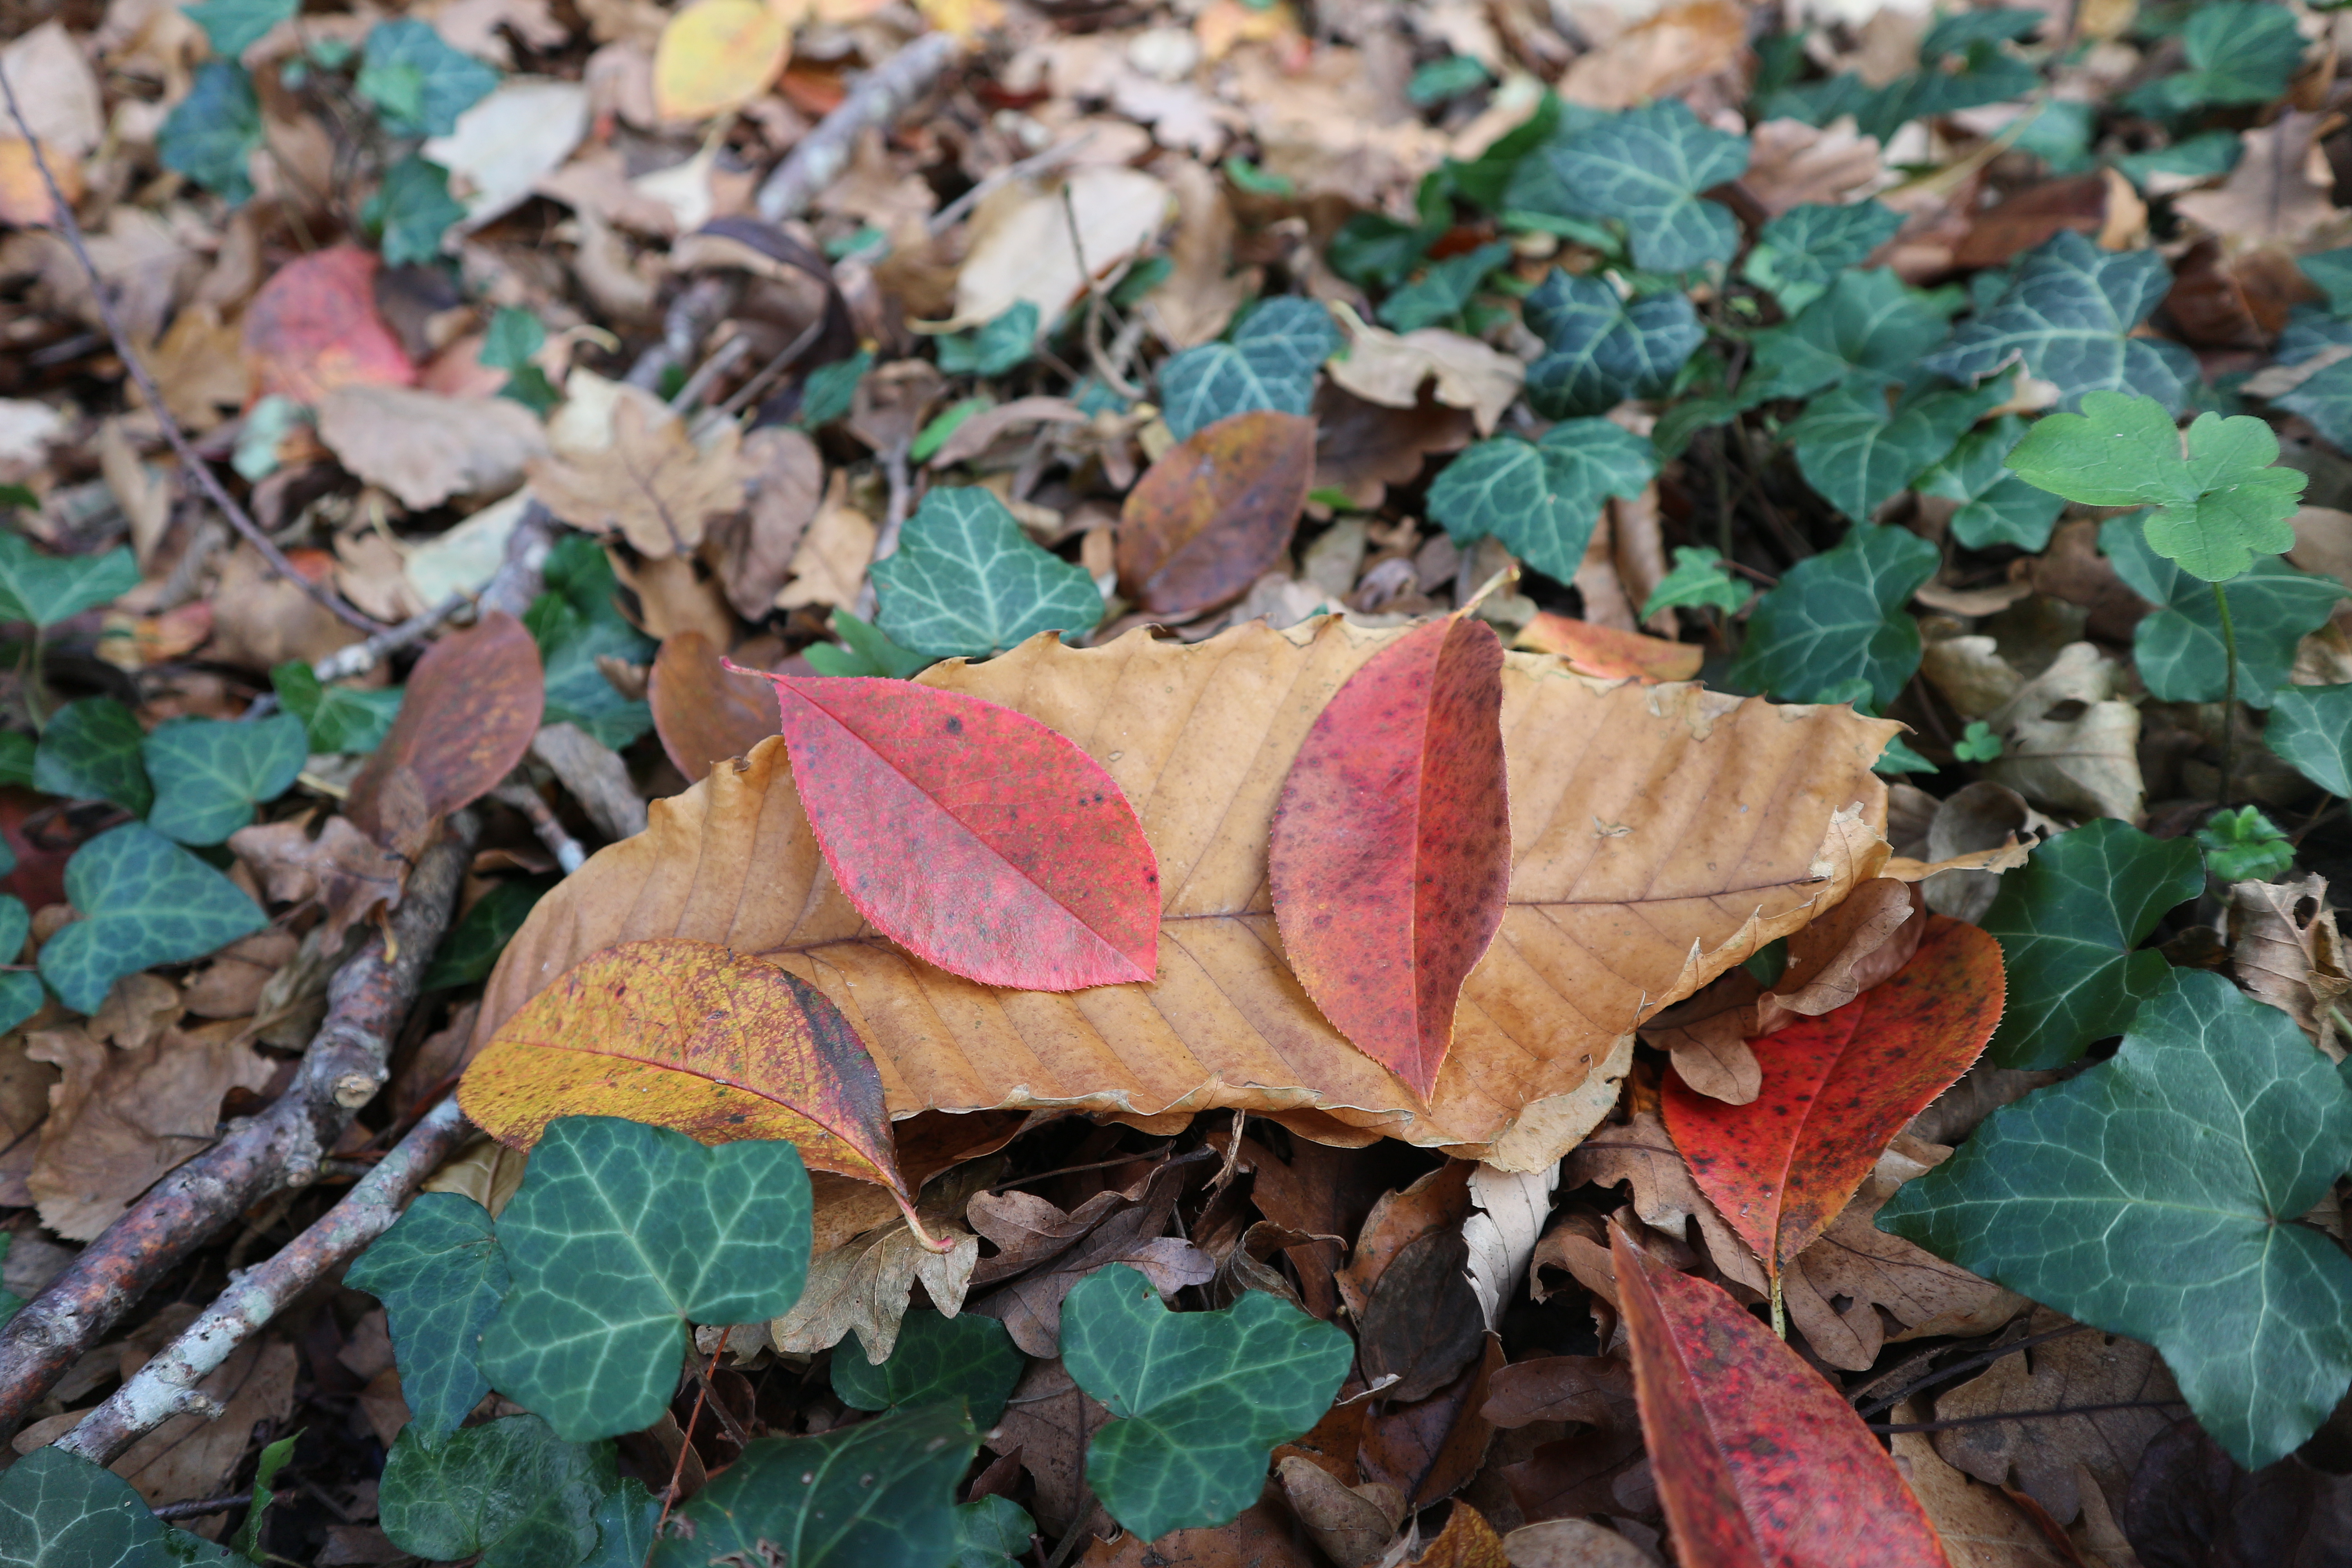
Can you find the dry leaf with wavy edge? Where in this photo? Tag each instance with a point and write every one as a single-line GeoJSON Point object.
{"type": "Point", "coordinates": [652, 484]}
{"type": "Point", "coordinates": [1661, 834]}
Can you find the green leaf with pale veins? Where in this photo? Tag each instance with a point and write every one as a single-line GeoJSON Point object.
{"type": "Point", "coordinates": [2067, 315]}
{"type": "Point", "coordinates": [509, 1489]}
{"type": "Point", "coordinates": [1698, 578]}
{"type": "Point", "coordinates": [412, 210]}
{"type": "Point", "coordinates": [58, 1510]}
{"type": "Point", "coordinates": [2311, 728]}
{"type": "Point", "coordinates": [211, 773]}
{"type": "Point", "coordinates": [1869, 328]}
{"type": "Point", "coordinates": [966, 1360]}
{"type": "Point", "coordinates": [1600, 348]}
{"type": "Point", "coordinates": [966, 580]}
{"type": "Point", "coordinates": [1645, 168]}
{"type": "Point", "coordinates": [418, 83]}
{"type": "Point", "coordinates": [2069, 924]}
{"type": "Point", "coordinates": [994, 347]}
{"type": "Point", "coordinates": [47, 589]}
{"type": "Point", "coordinates": [2239, 51]}
{"type": "Point", "coordinates": [90, 751]}
{"type": "Point", "coordinates": [2218, 506]}
{"type": "Point", "coordinates": [1542, 497]}
{"type": "Point", "coordinates": [1997, 507]}
{"type": "Point", "coordinates": [2208, 156]}
{"type": "Point", "coordinates": [339, 718]}
{"type": "Point", "coordinates": [2177, 646]}
{"type": "Point", "coordinates": [575, 622]}
{"type": "Point", "coordinates": [991, 1532]}
{"type": "Point", "coordinates": [620, 1236]}
{"type": "Point", "coordinates": [879, 1492]}
{"type": "Point", "coordinates": [1202, 1398]}
{"type": "Point", "coordinates": [440, 1274]}
{"type": "Point", "coordinates": [2157, 1195]}
{"type": "Point", "coordinates": [1800, 254]}
{"type": "Point", "coordinates": [625, 1521]}
{"type": "Point", "coordinates": [1438, 295]}
{"type": "Point", "coordinates": [230, 26]}
{"type": "Point", "coordinates": [1839, 617]}
{"type": "Point", "coordinates": [2324, 397]}
{"type": "Point", "coordinates": [20, 994]}
{"type": "Point", "coordinates": [1859, 453]}
{"type": "Point", "coordinates": [1269, 362]}
{"type": "Point", "coordinates": [143, 901]}
{"type": "Point", "coordinates": [212, 134]}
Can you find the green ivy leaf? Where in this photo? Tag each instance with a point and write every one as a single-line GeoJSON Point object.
{"type": "Point", "coordinates": [20, 994]}
{"type": "Point", "coordinates": [412, 210]}
{"type": "Point", "coordinates": [2311, 728]}
{"type": "Point", "coordinates": [882, 1491]}
{"type": "Point", "coordinates": [576, 621]}
{"type": "Point", "coordinates": [2177, 646]}
{"type": "Point", "coordinates": [16, 751]}
{"type": "Point", "coordinates": [90, 751]}
{"type": "Point", "coordinates": [2068, 312]}
{"type": "Point", "coordinates": [47, 589]}
{"type": "Point", "coordinates": [511, 339]}
{"type": "Point", "coordinates": [966, 580]}
{"type": "Point", "coordinates": [418, 83]}
{"type": "Point", "coordinates": [1800, 254]}
{"type": "Point", "coordinates": [864, 650]}
{"type": "Point", "coordinates": [2208, 156]}
{"type": "Point", "coordinates": [1448, 77]}
{"type": "Point", "coordinates": [143, 901]}
{"type": "Point", "coordinates": [471, 949]}
{"type": "Point", "coordinates": [1602, 348]}
{"type": "Point", "coordinates": [999, 346]}
{"type": "Point", "coordinates": [1269, 362]}
{"type": "Point", "coordinates": [2216, 507]}
{"type": "Point", "coordinates": [967, 1361]}
{"type": "Point", "coordinates": [1896, 758]}
{"type": "Point", "coordinates": [58, 1510]}
{"type": "Point", "coordinates": [440, 1274]}
{"type": "Point", "coordinates": [625, 1521]}
{"type": "Point", "coordinates": [1698, 578]}
{"type": "Point", "coordinates": [2244, 846]}
{"type": "Point", "coordinates": [337, 718]}
{"type": "Point", "coordinates": [2240, 51]}
{"type": "Point", "coordinates": [1997, 507]}
{"type": "Point", "coordinates": [831, 390]}
{"type": "Point", "coordinates": [233, 25]}
{"type": "Point", "coordinates": [2156, 1196]}
{"type": "Point", "coordinates": [1839, 617]}
{"type": "Point", "coordinates": [1859, 453]}
{"type": "Point", "coordinates": [2324, 397]}
{"type": "Point", "coordinates": [1439, 294]}
{"type": "Point", "coordinates": [991, 1532]}
{"type": "Point", "coordinates": [509, 1489]}
{"type": "Point", "coordinates": [212, 134]}
{"type": "Point", "coordinates": [213, 772]}
{"type": "Point", "coordinates": [2068, 924]}
{"type": "Point", "coordinates": [1643, 168]}
{"type": "Point", "coordinates": [1542, 498]}
{"type": "Point", "coordinates": [1868, 328]}
{"type": "Point", "coordinates": [1202, 1398]}
{"type": "Point", "coordinates": [670, 1232]}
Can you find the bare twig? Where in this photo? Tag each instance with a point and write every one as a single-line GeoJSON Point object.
{"type": "Point", "coordinates": [197, 1508]}
{"type": "Point", "coordinates": [285, 1146]}
{"type": "Point", "coordinates": [198, 470]}
{"type": "Point", "coordinates": [167, 1385]}
{"type": "Point", "coordinates": [362, 656]}
{"type": "Point", "coordinates": [722, 360]}
{"type": "Point", "coordinates": [1990, 1417]}
{"type": "Point", "coordinates": [568, 851]}
{"type": "Point", "coordinates": [690, 316]}
{"type": "Point", "coordinates": [1053, 157]}
{"type": "Point", "coordinates": [1985, 1358]}
{"type": "Point", "coordinates": [880, 97]}
{"type": "Point", "coordinates": [894, 521]}
{"type": "Point", "coordinates": [521, 575]}
{"type": "Point", "coordinates": [768, 374]}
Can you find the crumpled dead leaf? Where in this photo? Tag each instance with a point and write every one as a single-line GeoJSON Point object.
{"type": "Point", "coordinates": [2280, 191]}
{"type": "Point", "coordinates": [1390, 369]}
{"type": "Point", "coordinates": [1044, 1252]}
{"type": "Point", "coordinates": [2069, 744]}
{"type": "Point", "coordinates": [829, 562]}
{"type": "Point", "coordinates": [1659, 56]}
{"type": "Point", "coordinates": [2286, 950]}
{"type": "Point", "coordinates": [423, 448]}
{"type": "Point", "coordinates": [1191, 305]}
{"type": "Point", "coordinates": [1023, 247]}
{"type": "Point", "coordinates": [348, 873]}
{"type": "Point", "coordinates": [866, 1284]}
{"type": "Point", "coordinates": [1792, 164]}
{"type": "Point", "coordinates": [652, 485]}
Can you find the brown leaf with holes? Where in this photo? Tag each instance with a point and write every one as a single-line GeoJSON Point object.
{"type": "Point", "coordinates": [2286, 950]}
{"type": "Point", "coordinates": [1215, 512]}
{"type": "Point", "coordinates": [652, 486]}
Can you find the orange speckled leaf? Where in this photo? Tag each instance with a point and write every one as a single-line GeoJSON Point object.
{"type": "Point", "coordinates": [1391, 848]}
{"type": "Point", "coordinates": [703, 711]}
{"type": "Point", "coordinates": [1215, 512]}
{"type": "Point", "coordinates": [1837, 1088]}
{"type": "Point", "coordinates": [691, 1036]}
{"type": "Point", "coordinates": [1608, 653]}
{"type": "Point", "coordinates": [971, 835]}
{"type": "Point", "coordinates": [314, 327]}
{"type": "Point", "coordinates": [1759, 1464]}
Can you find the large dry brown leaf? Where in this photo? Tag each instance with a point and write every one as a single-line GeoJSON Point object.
{"type": "Point", "coordinates": [2288, 952]}
{"type": "Point", "coordinates": [23, 1102]}
{"type": "Point", "coordinates": [424, 448]}
{"type": "Point", "coordinates": [1661, 834]}
{"type": "Point", "coordinates": [652, 484]}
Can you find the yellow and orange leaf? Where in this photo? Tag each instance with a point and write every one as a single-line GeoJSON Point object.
{"type": "Point", "coordinates": [718, 55]}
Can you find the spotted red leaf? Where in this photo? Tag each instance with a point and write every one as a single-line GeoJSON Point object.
{"type": "Point", "coordinates": [1391, 849]}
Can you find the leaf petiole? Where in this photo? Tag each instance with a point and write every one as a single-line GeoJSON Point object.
{"type": "Point", "coordinates": [2229, 697]}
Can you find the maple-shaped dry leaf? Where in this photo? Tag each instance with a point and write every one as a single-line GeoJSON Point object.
{"type": "Point", "coordinates": [652, 485]}
{"type": "Point", "coordinates": [1662, 835]}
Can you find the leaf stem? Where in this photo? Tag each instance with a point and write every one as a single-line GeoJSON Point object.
{"type": "Point", "coordinates": [686, 1439]}
{"type": "Point", "coordinates": [1780, 1309]}
{"type": "Point", "coordinates": [33, 714]}
{"type": "Point", "coordinates": [2229, 699]}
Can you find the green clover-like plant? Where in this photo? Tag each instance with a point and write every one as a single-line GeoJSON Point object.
{"type": "Point", "coordinates": [966, 580]}
{"type": "Point", "coordinates": [1838, 617]}
{"type": "Point", "coordinates": [90, 751]}
{"type": "Point", "coordinates": [2244, 846]}
{"type": "Point", "coordinates": [211, 773]}
{"type": "Point", "coordinates": [440, 1274]}
{"type": "Point", "coordinates": [1202, 1398]}
{"type": "Point", "coordinates": [509, 1489]}
{"type": "Point", "coordinates": [1978, 744]}
{"type": "Point", "coordinates": [339, 718]}
{"type": "Point", "coordinates": [1543, 497]}
{"type": "Point", "coordinates": [143, 901]}
{"type": "Point", "coordinates": [966, 1360]}
{"type": "Point", "coordinates": [1268, 361]}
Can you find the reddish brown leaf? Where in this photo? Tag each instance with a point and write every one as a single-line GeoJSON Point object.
{"type": "Point", "coordinates": [472, 706]}
{"type": "Point", "coordinates": [1836, 1090]}
{"type": "Point", "coordinates": [1609, 654]}
{"type": "Point", "coordinates": [1430, 1449]}
{"type": "Point", "coordinates": [973, 836]}
{"type": "Point", "coordinates": [314, 327]}
{"type": "Point", "coordinates": [1215, 512]}
{"type": "Point", "coordinates": [1757, 1461]}
{"type": "Point", "coordinates": [703, 711]}
{"type": "Point", "coordinates": [1391, 844]}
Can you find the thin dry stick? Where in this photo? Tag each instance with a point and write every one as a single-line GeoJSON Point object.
{"type": "Point", "coordinates": [517, 792]}
{"type": "Point", "coordinates": [894, 521]}
{"type": "Point", "coordinates": [1060, 152]}
{"type": "Point", "coordinates": [197, 469]}
{"type": "Point", "coordinates": [877, 98]}
{"type": "Point", "coordinates": [167, 1385]}
{"type": "Point", "coordinates": [1990, 1417]}
{"type": "Point", "coordinates": [362, 656]}
{"type": "Point", "coordinates": [686, 1438]}
{"type": "Point", "coordinates": [1986, 1358]}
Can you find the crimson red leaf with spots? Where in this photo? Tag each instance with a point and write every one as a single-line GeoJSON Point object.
{"type": "Point", "coordinates": [1391, 851]}
{"type": "Point", "coordinates": [972, 836]}
{"type": "Point", "coordinates": [1757, 1461]}
{"type": "Point", "coordinates": [1837, 1088]}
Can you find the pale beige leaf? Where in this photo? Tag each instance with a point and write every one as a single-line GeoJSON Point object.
{"type": "Point", "coordinates": [865, 1285]}
{"type": "Point", "coordinates": [1659, 56]}
{"type": "Point", "coordinates": [652, 485]}
{"type": "Point", "coordinates": [829, 562]}
{"type": "Point", "coordinates": [1191, 305]}
{"type": "Point", "coordinates": [1023, 247]}
{"type": "Point", "coordinates": [505, 144]}
{"type": "Point", "coordinates": [1390, 369]}
{"type": "Point", "coordinates": [424, 448]}
{"type": "Point", "coordinates": [56, 88]}
{"type": "Point", "coordinates": [2279, 192]}
{"type": "Point", "coordinates": [1793, 164]}
{"type": "Point", "coordinates": [2286, 950]}
{"type": "Point", "coordinates": [2068, 743]}
{"type": "Point", "coordinates": [1979, 1526]}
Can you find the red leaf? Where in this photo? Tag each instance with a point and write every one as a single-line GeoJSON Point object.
{"type": "Point", "coordinates": [1836, 1090]}
{"type": "Point", "coordinates": [1757, 1461]}
{"type": "Point", "coordinates": [473, 703]}
{"type": "Point", "coordinates": [704, 713]}
{"type": "Point", "coordinates": [973, 836]}
{"type": "Point", "coordinates": [314, 327]}
{"type": "Point", "coordinates": [1391, 848]}
{"type": "Point", "coordinates": [1215, 512]}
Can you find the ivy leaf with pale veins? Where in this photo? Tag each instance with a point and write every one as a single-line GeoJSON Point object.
{"type": "Point", "coordinates": [995, 346]}
{"type": "Point", "coordinates": [212, 772]}
{"type": "Point", "coordinates": [1439, 294]}
{"type": "Point", "coordinates": [966, 1360]}
{"type": "Point", "coordinates": [230, 26]}
{"type": "Point", "coordinates": [881, 1491]}
{"type": "Point", "coordinates": [2177, 646]}
{"type": "Point", "coordinates": [20, 994]}
{"type": "Point", "coordinates": [2239, 51]}
{"type": "Point", "coordinates": [1869, 328]}
{"type": "Point", "coordinates": [1602, 348]}
{"type": "Point", "coordinates": [575, 622]}
{"type": "Point", "coordinates": [143, 901]}
{"type": "Point", "coordinates": [1542, 498]}
{"type": "Point", "coordinates": [1645, 168]}
{"type": "Point", "coordinates": [1269, 362]}
{"type": "Point", "coordinates": [47, 589]}
{"type": "Point", "coordinates": [412, 210]}
{"type": "Point", "coordinates": [339, 718]}
{"type": "Point", "coordinates": [418, 84]}
{"type": "Point", "coordinates": [440, 1274]}
{"type": "Point", "coordinates": [1202, 1398]}
{"type": "Point", "coordinates": [211, 134]}
{"type": "Point", "coordinates": [2324, 397]}
{"type": "Point", "coordinates": [991, 1532]}
{"type": "Point", "coordinates": [626, 1523]}
{"type": "Point", "coordinates": [966, 580]}
{"type": "Point", "coordinates": [2157, 1195]}
{"type": "Point", "coordinates": [2068, 924]}
{"type": "Point", "coordinates": [1997, 507]}
{"type": "Point", "coordinates": [1839, 617]}
{"type": "Point", "coordinates": [1859, 453]}
{"type": "Point", "coordinates": [1799, 255]}
{"type": "Point", "coordinates": [619, 1234]}
{"type": "Point", "coordinates": [60, 1510]}
{"type": "Point", "coordinates": [509, 1489]}
{"type": "Point", "coordinates": [90, 751]}
{"type": "Point", "coordinates": [2311, 728]}
{"type": "Point", "coordinates": [2067, 315]}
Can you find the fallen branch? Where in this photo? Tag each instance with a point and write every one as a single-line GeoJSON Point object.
{"type": "Point", "coordinates": [167, 1385]}
{"type": "Point", "coordinates": [285, 1146]}
{"type": "Point", "coordinates": [569, 852]}
{"type": "Point", "coordinates": [880, 97]}
{"type": "Point", "coordinates": [362, 656]}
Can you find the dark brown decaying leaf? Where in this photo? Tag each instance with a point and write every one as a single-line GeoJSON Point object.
{"type": "Point", "coordinates": [1215, 512]}
{"type": "Point", "coordinates": [703, 711]}
{"type": "Point", "coordinates": [1043, 1253]}
{"type": "Point", "coordinates": [473, 703]}
{"type": "Point", "coordinates": [1430, 1448]}
{"type": "Point", "coordinates": [1422, 1323]}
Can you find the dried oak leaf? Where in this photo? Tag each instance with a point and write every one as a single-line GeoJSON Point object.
{"type": "Point", "coordinates": [652, 485]}
{"type": "Point", "coordinates": [1050, 1251]}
